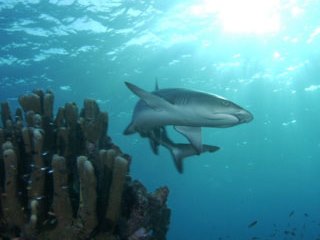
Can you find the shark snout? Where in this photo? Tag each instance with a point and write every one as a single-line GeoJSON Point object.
{"type": "Point", "coordinates": [244, 116]}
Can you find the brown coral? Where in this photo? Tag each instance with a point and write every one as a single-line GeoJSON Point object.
{"type": "Point", "coordinates": [63, 178]}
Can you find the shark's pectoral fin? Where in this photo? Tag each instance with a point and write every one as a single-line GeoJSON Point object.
{"type": "Point", "coordinates": [155, 102]}
{"type": "Point", "coordinates": [209, 148]}
{"type": "Point", "coordinates": [193, 134]}
{"type": "Point", "coordinates": [181, 151]}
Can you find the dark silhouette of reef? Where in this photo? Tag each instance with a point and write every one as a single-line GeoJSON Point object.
{"type": "Point", "coordinates": [62, 177]}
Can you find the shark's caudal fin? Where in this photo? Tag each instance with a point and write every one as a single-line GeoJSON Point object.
{"type": "Point", "coordinates": [155, 102]}
{"type": "Point", "coordinates": [181, 151]}
{"type": "Point", "coordinates": [178, 154]}
{"type": "Point", "coordinates": [129, 130]}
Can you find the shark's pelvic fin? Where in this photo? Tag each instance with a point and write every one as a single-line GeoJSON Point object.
{"type": "Point", "coordinates": [155, 102]}
{"type": "Point", "coordinates": [154, 146]}
{"type": "Point", "coordinates": [155, 140]}
{"type": "Point", "coordinates": [193, 134]}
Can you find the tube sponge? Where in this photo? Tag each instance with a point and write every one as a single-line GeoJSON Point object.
{"type": "Point", "coordinates": [119, 174]}
{"type": "Point", "coordinates": [11, 207]}
{"type": "Point", "coordinates": [87, 216]}
{"type": "Point", "coordinates": [62, 177]}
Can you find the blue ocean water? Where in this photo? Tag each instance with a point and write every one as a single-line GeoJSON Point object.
{"type": "Point", "coordinates": [263, 55]}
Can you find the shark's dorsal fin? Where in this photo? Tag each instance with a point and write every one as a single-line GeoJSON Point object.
{"type": "Point", "coordinates": [155, 102]}
{"type": "Point", "coordinates": [156, 88]}
{"type": "Point", "coordinates": [193, 134]}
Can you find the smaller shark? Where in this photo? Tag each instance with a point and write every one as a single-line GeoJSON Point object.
{"type": "Point", "coordinates": [188, 111]}
{"type": "Point", "coordinates": [179, 151]}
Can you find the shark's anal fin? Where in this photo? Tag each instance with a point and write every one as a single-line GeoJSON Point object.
{"type": "Point", "coordinates": [193, 134]}
{"type": "Point", "coordinates": [155, 102]}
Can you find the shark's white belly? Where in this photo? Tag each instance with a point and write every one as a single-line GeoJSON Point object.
{"type": "Point", "coordinates": [148, 119]}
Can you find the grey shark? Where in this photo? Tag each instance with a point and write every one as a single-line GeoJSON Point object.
{"type": "Point", "coordinates": [179, 151]}
{"type": "Point", "coordinates": [187, 110]}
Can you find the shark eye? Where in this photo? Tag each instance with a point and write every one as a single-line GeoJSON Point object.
{"type": "Point", "coordinates": [225, 103]}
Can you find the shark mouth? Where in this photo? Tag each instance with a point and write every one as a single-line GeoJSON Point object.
{"type": "Point", "coordinates": [243, 116]}
{"type": "Point", "coordinates": [230, 119]}
{"type": "Point", "coordinates": [223, 120]}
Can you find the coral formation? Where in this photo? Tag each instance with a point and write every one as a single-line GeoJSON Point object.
{"type": "Point", "coordinates": [62, 177]}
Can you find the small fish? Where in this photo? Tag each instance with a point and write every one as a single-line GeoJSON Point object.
{"type": "Point", "coordinates": [44, 153]}
{"type": "Point", "coordinates": [288, 232]}
{"type": "Point", "coordinates": [291, 213]}
{"type": "Point", "coordinates": [252, 224]}
{"type": "Point", "coordinates": [306, 214]}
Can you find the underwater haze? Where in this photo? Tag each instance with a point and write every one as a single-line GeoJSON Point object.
{"type": "Point", "coordinates": [263, 55]}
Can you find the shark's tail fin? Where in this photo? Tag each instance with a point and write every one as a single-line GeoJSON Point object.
{"type": "Point", "coordinates": [129, 130]}
{"type": "Point", "coordinates": [178, 154]}
{"type": "Point", "coordinates": [181, 151]}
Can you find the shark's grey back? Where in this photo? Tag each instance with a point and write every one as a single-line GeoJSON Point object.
{"type": "Point", "coordinates": [180, 96]}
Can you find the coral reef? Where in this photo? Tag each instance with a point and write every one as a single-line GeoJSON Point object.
{"type": "Point", "coordinates": [62, 177]}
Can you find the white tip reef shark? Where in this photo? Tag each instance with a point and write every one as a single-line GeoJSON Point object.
{"type": "Point", "coordinates": [188, 111]}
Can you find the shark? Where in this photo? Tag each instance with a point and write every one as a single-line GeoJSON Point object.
{"type": "Point", "coordinates": [179, 151]}
{"type": "Point", "coordinates": [188, 111]}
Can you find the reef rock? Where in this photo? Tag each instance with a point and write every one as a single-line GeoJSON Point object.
{"type": "Point", "coordinates": [61, 177]}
